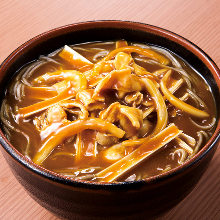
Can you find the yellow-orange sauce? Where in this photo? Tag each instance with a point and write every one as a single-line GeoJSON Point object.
{"type": "Point", "coordinates": [91, 159]}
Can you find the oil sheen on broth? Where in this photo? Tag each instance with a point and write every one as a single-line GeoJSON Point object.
{"type": "Point", "coordinates": [108, 111]}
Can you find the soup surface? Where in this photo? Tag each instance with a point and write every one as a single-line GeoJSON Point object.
{"type": "Point", "coordinates": [108, 111]}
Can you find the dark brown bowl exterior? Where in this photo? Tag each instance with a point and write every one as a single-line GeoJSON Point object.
{"type": "Point", "coordinates": [132, 200]}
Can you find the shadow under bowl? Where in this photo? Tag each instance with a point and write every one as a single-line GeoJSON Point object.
{"type": "Point", "coordinates": [128, 200]}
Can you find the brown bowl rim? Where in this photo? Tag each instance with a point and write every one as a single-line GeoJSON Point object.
{"type": "Point", "coordinates": [50, 175]}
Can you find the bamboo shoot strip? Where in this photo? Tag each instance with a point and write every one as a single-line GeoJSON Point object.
{"type": "Point", "coordinates": [73, 57]}
{"type": "Point", "coordinates": [77, 79]}
{"type": "Point", "coordinates": [152, 145]}
{"type": "Point", "coordinates": [71, 129]}
{"type": "Point", "coordinates": [40, 92]}
{"type": "Point", "coordinates": [121, 43]}
{"type": "Point", "coordinates": [40, 106]}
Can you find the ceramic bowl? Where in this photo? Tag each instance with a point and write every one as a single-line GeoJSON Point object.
{"type": "Point", "coordinates": [128, 200]}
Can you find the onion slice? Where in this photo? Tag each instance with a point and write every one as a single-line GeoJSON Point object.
{"type": "Point", "coordinates": [71, 129]}
{"type": "Point", "coordinates": [142, 51]}
{"type": "Point", "coordinates": [177, 102]}
{"type": "Point", "coordinates": [162, 115]}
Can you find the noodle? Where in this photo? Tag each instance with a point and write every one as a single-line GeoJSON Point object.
{"type": "Point", "coordinates": [177, 102]}
{"type": "Point", "coordinates": [184, 74]}
{"type": "Point", "coordinates": [71, 129]}
{"type": "Point", "coordinates": [205, 127]}
{"type": "Point", "coordinates": [196, 99]}
{"type": "Point", "coordinates": [8, 125]}
{"type": "Point", "coordinates": [183, 154]}
{"type": "Point", "coordinates": [108, 111]}
{"type": "Point", "coordinates": [145, 150]}
{"type": "Point", "coordinates": [199, 143]}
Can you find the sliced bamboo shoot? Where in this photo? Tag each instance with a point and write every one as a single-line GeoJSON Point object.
{"type": "Point", "coordinates": [176, 86]}
{"type": "Point", "coordinates": [190, 140]}
{"type": "Point", "coordinates": [73, 57]}
{"type": "Point", "coordinates": [121, 43]}
{"type": "Point", "coordinates": [40, 106]}
{"type": "Point", "coordinates": [39, 92]}
{"type": "Point", "coordinates": [152, 145]}
{"type": "Point", "coordinates": [71, 129]}
{"type": "Point", "coordinates": [148, 111]}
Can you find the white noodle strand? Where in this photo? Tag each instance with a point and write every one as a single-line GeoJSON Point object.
{"type": "Point", "coordinates": [204, 127]}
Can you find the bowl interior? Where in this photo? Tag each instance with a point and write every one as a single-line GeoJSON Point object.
{"type": "Point", "coordinates": [107, 31]}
